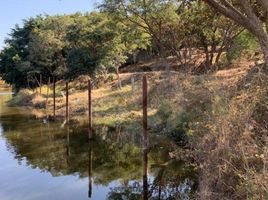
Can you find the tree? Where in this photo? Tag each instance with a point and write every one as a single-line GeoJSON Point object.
{"type": "Point", "coordinates": [47, 46]}
{"type": "Point", "coordinates": [14, 64]}
{"type": "Point", "coordinates": [97, 43]}
{"type": "Point", "coordinates": [154, 17]}
{"type": "Point", "coordinates": [178, 28]}
{"type": "Point", "coordinates": [213, 32]}
{"type": "Point", "coordinates": [64, 47]}
{"type": "Point", "coordinates": [251, 15]}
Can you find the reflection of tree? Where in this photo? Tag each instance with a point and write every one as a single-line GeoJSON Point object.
{"type": "Point", "coordinates": [65, 152]}
{"type": "Point", "coordinates": [130, 190]}
{"type": "Point", "coordinates": [111, 156]}
{"type": "Point", "coordinates": [164, 186]}
{"type": "Point", "coordinates": [168, 181]}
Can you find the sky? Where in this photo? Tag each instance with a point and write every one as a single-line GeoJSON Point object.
{"type": "Point", "coordinates": [14, 11]}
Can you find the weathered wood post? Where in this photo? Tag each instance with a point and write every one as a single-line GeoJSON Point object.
{"type": "Point", "coordinates": [145, 137]}
{"type": "Point", "coordinates": [89, 110]}
{"type": "Point", "coordinates": [145, 116]}
{"type": "Point", "coordinates": [54, 98]}
{"type": "Point", "coordinates": [67, 102]}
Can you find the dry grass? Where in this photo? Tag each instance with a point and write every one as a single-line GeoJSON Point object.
{"type": "Point", "coordinates": [233, 155]}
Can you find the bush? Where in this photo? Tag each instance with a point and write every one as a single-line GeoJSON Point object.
{"type": "Point", "coordinates": [22, 98]}
{"type": "Point", "coordinates": [245, 43]}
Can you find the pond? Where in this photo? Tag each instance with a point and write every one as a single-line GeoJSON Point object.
{"type": "Point", "coordinates": [41, 160]}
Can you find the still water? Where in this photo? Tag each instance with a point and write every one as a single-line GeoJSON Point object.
{"type": "Point", "coordinates": [41, 161]}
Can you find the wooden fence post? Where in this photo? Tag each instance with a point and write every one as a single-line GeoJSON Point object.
{"type": "Point", "coordinates": [67, 102]}
{"type": "Point", "coordinates": [89, 110]}
{"type": "Point", "coordinates": [145, 137]}
{"type": "Point", "coordinates": [145, 115]}
{"type": "Point", "coordinates": [54, 98]}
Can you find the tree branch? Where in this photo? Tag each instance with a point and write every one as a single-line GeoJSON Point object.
{"type": "Point", "coordinates": [228, 10]}
{"type": "Point", "coordinates": [264, 3]}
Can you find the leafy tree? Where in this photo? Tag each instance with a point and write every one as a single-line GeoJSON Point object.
{"type": "Point", "coordinates": [48, 47]}
{"type": "Point", "coordinates": [67, 46]}
{"type": "Point", "coordinates": [178, 28]}
{"type": "Point", "coordinates": [154, 17]}
{"type": "Point", "coordinates": [102, 43]}
{"type": "Point", "coordinates": [14, 64]}
{"type": "Point", "coordinates": [252, 15]}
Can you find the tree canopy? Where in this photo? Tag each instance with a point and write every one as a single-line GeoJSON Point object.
{"type": "Point", "coordinates": [66, 46]}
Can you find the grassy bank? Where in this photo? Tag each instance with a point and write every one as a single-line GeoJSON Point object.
{"type": "Point", "coordinates": [177, 102]}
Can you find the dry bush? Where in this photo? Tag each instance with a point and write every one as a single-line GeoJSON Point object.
{"type": "Point", "coordinates": [233, 156]}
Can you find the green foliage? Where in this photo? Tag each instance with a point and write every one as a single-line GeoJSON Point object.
{"type": "Point", "coordinates": [245, 43]}
{"type": "Point", "coordinates": [164, 111]}
{"type": "Point", "coordinates": [65, 47]}
{"type": "Point", "coordinates": [181, 132]}
{"type": "Point", "coordinates": [14, 63]}
{"type": "Point", "coordinates": [155, 18]}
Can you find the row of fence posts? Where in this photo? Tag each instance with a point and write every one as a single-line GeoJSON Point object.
{"type": "Point", "coordinates": [67, 114]}
{"type": "Point", "coordinates": [67, 110]}
{"type": "Point", "coordinates": [145, 122]}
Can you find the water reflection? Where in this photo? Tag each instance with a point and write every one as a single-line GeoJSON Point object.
{"type": "Point", "coordinates": [89, 170]}
{"type": "Point", "coordinates": [145, 173]}
{"type": "Point", "coordinates": [113, 164]}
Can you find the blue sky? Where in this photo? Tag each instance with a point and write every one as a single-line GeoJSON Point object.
{"type": "Point", "coordinates": [14, 11]}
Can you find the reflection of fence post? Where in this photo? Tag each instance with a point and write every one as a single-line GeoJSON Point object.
{"type": "Point", "coordinates": [90, 171]}
{"type": "Point", "coordinates": [145, 138]}
{"type": "Point", "coordinates": [145, 176]}
{"type": "Point", "coordinates": [67, 102]}
{"type": "Point", "coordinates": [89, 110]}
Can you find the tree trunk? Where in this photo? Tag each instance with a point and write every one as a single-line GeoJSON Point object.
{"type": "Point", "coordinates": [118, 78]}
{"type": "Point", "coordinates": [264, 46]}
